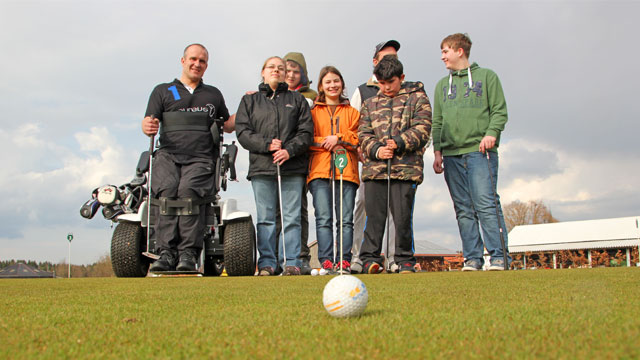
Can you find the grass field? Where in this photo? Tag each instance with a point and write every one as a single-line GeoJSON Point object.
{"type": "Point", "coordinates": [543, 314]}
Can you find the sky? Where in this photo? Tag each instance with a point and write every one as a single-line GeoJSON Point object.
{"type": "Point", "coordinates": [76, 78]}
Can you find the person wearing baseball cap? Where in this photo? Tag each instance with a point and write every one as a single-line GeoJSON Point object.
{"type": "Point", "coordinates": [370, 88]}
{"type": "Point", "coordinates": [362, 93]}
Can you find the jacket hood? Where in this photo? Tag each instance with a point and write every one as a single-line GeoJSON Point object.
{"type": "Point", "coordinates": [408, 87]}
{"type": "Point", "coordinates": [299, 58]}
{"type": "Point", "coordinates": [265, 88]}
{"type": "Point", "coordinates": [463, 72]}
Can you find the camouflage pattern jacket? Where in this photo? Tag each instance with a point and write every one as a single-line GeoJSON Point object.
{"type": "Point", "coordinates": [405, 118]}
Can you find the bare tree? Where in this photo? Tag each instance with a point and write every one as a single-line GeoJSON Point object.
{"type": "Point", "coordinates": [532, 212]}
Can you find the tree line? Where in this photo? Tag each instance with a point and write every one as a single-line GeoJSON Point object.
{"type": "Point", "coordinates": [101, 268]}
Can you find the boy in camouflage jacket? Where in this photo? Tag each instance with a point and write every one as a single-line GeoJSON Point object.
{"type": "Point", "coordinates": [395, 126]}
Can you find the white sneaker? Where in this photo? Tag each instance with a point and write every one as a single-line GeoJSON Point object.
{"type": "Point", "coordinates": [497, 266]}
{"type": "Point", "coordinates": [356, 267]}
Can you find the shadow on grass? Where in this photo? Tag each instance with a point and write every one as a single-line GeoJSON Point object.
{"type": "Point", "coordinates": [372, 313]}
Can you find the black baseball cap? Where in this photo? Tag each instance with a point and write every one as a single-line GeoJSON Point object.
{"type": "Point", "coordinates": [394, 44]}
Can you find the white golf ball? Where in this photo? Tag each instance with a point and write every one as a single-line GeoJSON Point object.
{"type": "Point", "coordinates": [345, 296]}
{"type": "Point", "coordinates": [314, 272]}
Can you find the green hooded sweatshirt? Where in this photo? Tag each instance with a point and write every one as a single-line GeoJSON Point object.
{"type": "Point", "coordinates": [304, 80]}
{"type": "Point", "coordinates": [463, 115]}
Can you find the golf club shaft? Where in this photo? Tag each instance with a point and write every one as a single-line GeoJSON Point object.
{"type": "Point", "coordinates": [495, 200]}
{"type": "Point", "coordinates": [284, 249]}
{"type": "Point", "coordinates": [386, 254]}
{"type": "Point", "coordinates": [333, 201]}
{"type": "Point", "coordinates": [332, 172]}
{"type": "Point", "coordinates": [341, 255]}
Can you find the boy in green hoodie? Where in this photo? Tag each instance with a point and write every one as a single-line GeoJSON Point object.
{"type": "Point", "coordinates": [469, 113]}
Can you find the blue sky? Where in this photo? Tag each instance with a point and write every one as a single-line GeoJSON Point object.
{"type": "Point", "coordinates": [77, 76]}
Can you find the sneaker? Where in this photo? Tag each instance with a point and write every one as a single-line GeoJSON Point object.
{"type": "Point", "coordinates": [291, 270]}
{"type": "Point", "coordinates": [407, 268]}
{"type": "Point", "coordinates": [346, 267]}
{"type": "Point", "coordinates": [188, 260]}
{"type": "Point", "coordinates": [266, 271]}
{"type": "Point", "coordinates": [372, 267]}
{"type": "Point", "coordinates": [497, 265]}
{"type": "Point", "coordinates": [327, 268]}
{"type": "Point", "coordinates": [167, 261]}
{"type": "Point", "coordinates": [394, 268]}
{"type": "Point", "coordinates": [305, 267]}
{"type": "Point", "coordinates": [356, 267]}
{"type": "Point", "coordinates": [471, 265]}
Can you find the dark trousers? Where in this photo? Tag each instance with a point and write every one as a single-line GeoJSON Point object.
{"type": "Point", "coordinates": [401, 203]}
{"type": "Point", "coordinates": [304, 224]}
{"type": "Point", "coordinates": [179, 176]}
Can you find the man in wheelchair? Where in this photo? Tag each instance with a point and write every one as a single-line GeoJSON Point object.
{"type": "Point", "coordinates": [186, 113]}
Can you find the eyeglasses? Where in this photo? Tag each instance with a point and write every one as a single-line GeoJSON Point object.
{"type": "Point", "coordinates": [274, 67]}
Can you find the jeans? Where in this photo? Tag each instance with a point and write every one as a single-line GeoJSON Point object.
{"type": "Point", "coordinates": [321, 191]}
{"type": "Point", "coordinates": [265, 191]}
{"type": "Point", "coordinates": [472, 191]}
{"type": "Point", "coordinates": [304, 247]}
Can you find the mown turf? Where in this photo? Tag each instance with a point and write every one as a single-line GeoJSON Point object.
{"type": "Point", "coordinates": [578, 313]}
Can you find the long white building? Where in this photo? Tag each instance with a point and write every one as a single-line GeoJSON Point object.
{"type": "Point", "coordinates": [618, 233]}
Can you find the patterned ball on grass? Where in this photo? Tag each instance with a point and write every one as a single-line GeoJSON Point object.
{"type": "Point", "coordinates": [345, 296]}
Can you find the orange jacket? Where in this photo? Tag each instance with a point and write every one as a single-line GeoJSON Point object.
{"type": "Point", "coordinates": [345, 126]}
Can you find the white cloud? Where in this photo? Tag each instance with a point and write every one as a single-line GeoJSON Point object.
{"type": "Point", "coordinates": [46, 182]}
{"type": "Point", "coordinates": [579, 186]}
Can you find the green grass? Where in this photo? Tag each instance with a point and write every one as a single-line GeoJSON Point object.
{"type": "Point", "coordinates": [578, 313]}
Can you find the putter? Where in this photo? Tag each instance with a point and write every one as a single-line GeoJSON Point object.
{"type": "Point", "coordinates": [284, 249]}
{"type": "Point", "coordinates": [386, 255]}
{"type": "Point", "coordinates": [341, 162]}
{"type": "Point", "coordinates": [332, 172]}
{"type": "Point", "coordinates": [341, 272]}
{"type": "Point", "coordinates": [495, 200]}
{"type": "Point", "coordinates": [151, 144]}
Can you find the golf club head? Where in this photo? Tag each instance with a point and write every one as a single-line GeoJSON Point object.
{"type": "Point", "coordinates": [90, 208]}
{"type": "Point", "coordinates": [108, 195]}
{"type": "Point", "coordinates": [111, 211]}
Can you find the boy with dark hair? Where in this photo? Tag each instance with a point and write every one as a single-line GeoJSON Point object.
{"type": "Point", "coordinates": [469, 113]}
{"type": "Point", "coordinates": [360, 95]}
{"type": "Point", "coordinates": [394, 129]}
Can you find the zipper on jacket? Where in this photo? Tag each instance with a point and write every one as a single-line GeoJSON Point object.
{"type": "Point", "coordinates": [332, 173]}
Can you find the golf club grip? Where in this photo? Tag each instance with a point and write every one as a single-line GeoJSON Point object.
{"type": "Point", "coordinates": [152, 137]}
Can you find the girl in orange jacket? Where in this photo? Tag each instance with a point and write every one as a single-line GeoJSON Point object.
{"type": "Point", "coordinates": [335, 128]}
